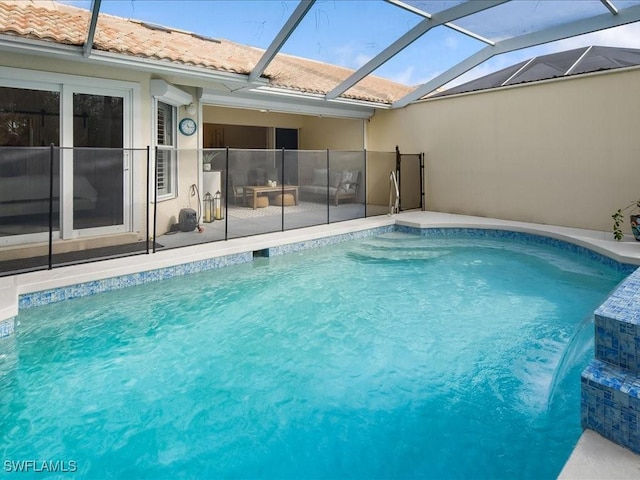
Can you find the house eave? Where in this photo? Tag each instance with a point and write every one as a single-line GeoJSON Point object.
{"type": "Point", "coordinates": [160, 67]}
{"type": "Point", "coordinates": [256, 95]}
{"type": "Point", "coordinates": [295, 103]}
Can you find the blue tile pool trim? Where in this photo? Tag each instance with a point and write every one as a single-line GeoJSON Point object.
{"type": "Point", "coordinates": [610, 403]}
{"type": "Point", "coordinates": [610, 384]}
{"type": "Point", "coordinates": [90, 288]}
{"type": "Point", "coordinates": [523, 237]}
{"type": "Point", "coordinates": [7, 327]}
{"type": "Point", "coordinates": [323, 242]}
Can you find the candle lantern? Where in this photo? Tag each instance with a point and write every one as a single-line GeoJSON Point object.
{"type": "Point", "coordinates": [217, 205]}
{"type": "Point", "coordinates": [207, 203]}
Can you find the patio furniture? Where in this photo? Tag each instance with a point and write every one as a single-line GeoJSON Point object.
{"type": "Point", "coordinates": [253, 192]}
{"type": "Point", "coordinates": [343, 185]}
{"type": "Point", "coordinates": [284, 200]}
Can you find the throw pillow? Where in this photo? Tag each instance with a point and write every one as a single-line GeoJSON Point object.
{"type": "Point", "coordinates": [319, 177]}
{"type": "Point", "coordinates": [347, 177]}
{"type": "Point", "coordinates": [334, 178]}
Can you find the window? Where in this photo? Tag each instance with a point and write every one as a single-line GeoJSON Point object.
{"type": "Point", "coordinates": [166, 142]}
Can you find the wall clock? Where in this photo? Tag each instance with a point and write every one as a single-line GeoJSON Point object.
{"type": "Point", "coordinates": [187, 126]}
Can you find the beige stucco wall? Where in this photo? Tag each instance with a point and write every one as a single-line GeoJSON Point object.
{"type": "Point", "coordinates": [319, 133]}
{"type": "Point", "coordinates": [314, 133]}
{"type": "Point", "coordinates": [562, 152]}
{"type": "Point", "coordinates": [168, 211]}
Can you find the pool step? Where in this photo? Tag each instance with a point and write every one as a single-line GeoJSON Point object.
{"type": "Point", "coordinates": [610, 384]}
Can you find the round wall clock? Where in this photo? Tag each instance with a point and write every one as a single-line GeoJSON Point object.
{"type": "Point", "coordinates": [187, 126]}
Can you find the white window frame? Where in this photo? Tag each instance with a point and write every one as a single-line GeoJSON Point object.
{"type": "Point", "coordinates": [172, 190]}
{"type": "Point", "coordinates": [66, 160]}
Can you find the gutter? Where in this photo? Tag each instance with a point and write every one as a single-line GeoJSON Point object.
{"type": "Point", "coordinates": [162, 67]}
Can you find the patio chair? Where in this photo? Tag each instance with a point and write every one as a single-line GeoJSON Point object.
{"type": "Point", "coordinates": [236, 191]}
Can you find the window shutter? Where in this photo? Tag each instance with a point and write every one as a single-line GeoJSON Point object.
{"type": "Point", "coordinates": [164, 138]}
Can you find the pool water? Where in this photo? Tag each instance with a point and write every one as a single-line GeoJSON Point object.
{"type": "Point", "coordinates": [397, 356]}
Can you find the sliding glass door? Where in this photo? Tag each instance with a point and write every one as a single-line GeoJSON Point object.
{"type": "Point", "coordinates": [90, 129]}
{"type": "Point", "coordinates": [29, 124]}
{"type": "Point", "coordinates": [98, 161]}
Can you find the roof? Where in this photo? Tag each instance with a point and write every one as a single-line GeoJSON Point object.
{"type": "Point", "coordinates": [492, 28]}
{"type": "Point", "coordinates": [63, 24]}
{"type": "Point", "coordinates": [570, 62]}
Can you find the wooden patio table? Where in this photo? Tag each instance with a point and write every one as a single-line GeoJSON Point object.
{"type": "Point", "coordinates": [252, 191]}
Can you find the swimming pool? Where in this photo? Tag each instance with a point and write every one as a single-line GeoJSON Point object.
{"type": "Point", "coordinates": [394, 356]}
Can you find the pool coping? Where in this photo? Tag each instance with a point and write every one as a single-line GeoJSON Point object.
{"type": "Point", "coordinates": [617, 464]}
{"type": "Point", "coordinates": [13, 287]}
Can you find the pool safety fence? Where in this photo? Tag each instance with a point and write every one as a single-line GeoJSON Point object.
{"type": "Point", "coordinates": [64, 206]}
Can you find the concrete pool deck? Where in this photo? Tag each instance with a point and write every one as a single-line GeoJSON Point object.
{"type": "Point", "coordinates": [594, 457]}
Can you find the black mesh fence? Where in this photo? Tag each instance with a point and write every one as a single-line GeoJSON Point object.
{"type": "Point", "coordinates": [121, 202]}
{"type": "Point", "coordinates": [41, 228]}
{"type": "Point", "coordinates": [410, 181]}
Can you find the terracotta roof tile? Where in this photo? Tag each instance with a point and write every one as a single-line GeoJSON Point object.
{"type": "Point", "coordinates": [51, 21]}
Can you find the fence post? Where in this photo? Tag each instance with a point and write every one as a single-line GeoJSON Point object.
{"type": "Point", "coordinates": [282, 192]}
{"type": "Point", "coordinates": [364, 181]}
{"type": "Point", "coordinates": [155, 196]}
{"type": "Point", "coordinates": [50, 253]}
{"type": "Point", "coordinates": [226, 195]}
{"type": "Point", "coordinates": [148, 200]}
{"type": "Point", "coordinates": [328, 201]}
{"type": "Point", "coordinates": [423, 201]}
{"type": "Point", "coordinates": [398, 161]}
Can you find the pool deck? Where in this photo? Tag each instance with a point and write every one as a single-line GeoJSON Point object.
{"type": "Point", "coordinates": [594, 457]}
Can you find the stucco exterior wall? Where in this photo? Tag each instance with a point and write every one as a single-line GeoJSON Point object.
{"type": "Point", "coordinates": [189, 166]}
{"type": "Point", "coordinates": [561, 152]}
{"type": "Point", "coordinates": [319, 133]}
{"type": "Point", "coordinates": [315, 133]}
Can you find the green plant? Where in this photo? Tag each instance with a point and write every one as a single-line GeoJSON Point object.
{"type": "Point", "coordinates": [618, 218]}
{"type": "Point", "coordinates": [208, 157]}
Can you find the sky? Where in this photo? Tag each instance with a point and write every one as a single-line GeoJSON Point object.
{"type": "Point", "coordinates": [351, 32]}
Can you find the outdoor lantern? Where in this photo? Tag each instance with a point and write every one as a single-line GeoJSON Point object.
{"type": "Point", "coordinates": [208, 208]}
{"type": "Point", "coordinates": [217, 205]}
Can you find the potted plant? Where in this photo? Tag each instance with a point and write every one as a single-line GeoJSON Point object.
{"type": "Point", "coordinates": [618, 218]}
{"type": "Point", "coordinates": [207, 160]}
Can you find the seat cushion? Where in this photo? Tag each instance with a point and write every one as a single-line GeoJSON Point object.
{"type": "Point", "coordinates": [285, 200]}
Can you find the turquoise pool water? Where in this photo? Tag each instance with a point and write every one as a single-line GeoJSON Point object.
{"type": "Point", "coordinates": [396, 356]}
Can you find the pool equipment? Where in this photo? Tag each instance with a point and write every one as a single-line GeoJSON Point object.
{"type": "Point", "coordinates": [187, 220]}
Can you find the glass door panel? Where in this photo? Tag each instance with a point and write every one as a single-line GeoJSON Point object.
{"type": "Point", "coordinates": [29, 123]}
{"type": "Point", "coordinates": [98, 161]}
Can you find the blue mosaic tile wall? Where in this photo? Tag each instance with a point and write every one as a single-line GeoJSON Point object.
{"type": "Point", "coordinates": [321, 242]}
{"type": "Point", "coordinates": [6, 327]}
{"type": "Point", "coordinates": [526, 238]}
{"type": "Point", "coordinates": [610, 388]}
{"type": "Point", "coordinates": [90, 288]}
